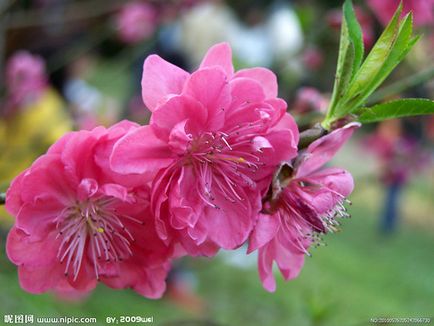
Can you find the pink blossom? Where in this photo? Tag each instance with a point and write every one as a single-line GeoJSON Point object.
{"type": "Point", "coordinates": [309, 99]}
{"type": "Point", "coordinates": [25, 77]}
{"type": "Point", "coordinates": [77, 222]}
{"type": "Point", "coordinates": [136, 21]}
{"type": "Point", "coordinates": [304, 208]}
{"type": "Point", "coordinates": [423, 10]}
{"type": "Point", "coordinates": [214, 136]}
{"type": "Point", "coordinates": [313, 58]}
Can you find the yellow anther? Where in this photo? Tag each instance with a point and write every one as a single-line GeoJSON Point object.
{"type": "Point", "coordinates": [100, 230]}
{"type": "Point", "coordinates": [241, 160]}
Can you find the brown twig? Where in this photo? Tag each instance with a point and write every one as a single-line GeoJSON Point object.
{"type": "Point", "coordinates": [308, 136]}
{"type": "Point", "coordinates": [70, 13]}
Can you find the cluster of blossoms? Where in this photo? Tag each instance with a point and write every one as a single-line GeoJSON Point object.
{"type": "Point", "coordinates": [118, 205]}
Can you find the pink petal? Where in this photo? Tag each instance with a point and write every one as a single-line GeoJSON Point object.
{"type": "Point", "coordinates": [35, 279]}
{"type": "Point", "coordinates": [159, 200]}
{"type": "Point", "coordinates": [176, 110]}
{"type": "Point", "coordinates": [287, 122]}
{"type": "Point", "coordinates": [245, 91]}
{"type": "Point", "coordinates": [160, 79]}
{"type": "Point", "coordinates": [47, 179]}
{"type": "Point", "coordinates": [322, 150]}
{"type": "Point", "coordinates": [265, 229]}
{"type": "Point", "coordinates": [87, 188]}
{"type": "Point", "coordinates": [21, 249]}
{"type": "Point", "coordinates": [195, 242]}
{"type": "Point", "coordinates": [209, 86]}
{"type": "Point", "coordinates": [265, 267]}
{"type": "Point", "coordinates": [231, 223]}
{"type": "Point", "coordinates": [78, 153]}
{"type": "Point", "coordinates": [103, 151]}
{"type": "Point", "coordinates": [283, 147]}
{"type": "Point", "coordinates": [185, 204]}
{"type": "Point", "coordinates": [290, 263]}
{"type": "Point", "coordinates": [335, 179]}
{"type": "Point", "coordinates": [121, 128]}
{"type": "Point", "coordinates": [59, 145]}
{"type": "Point", "coordinates": [179, 140]}
{"type": "Point", "coordinates": [117, 191]}
{"type": "Point", "coordinates": [259, 143]}
{"type": "Point", "coordinates": [38, 219]}
{"type": "Point", "coordinates": [140, 151]}
{"type": "Point", "coordinates": [153, 284]}
{"type": "Point", "coordinates": [265, 77]}
{"type": "Point", "coordinates": [219, 55]}
{"type": "Point", "coordinates": [13, 195]}
{"type": "Point", "coordinates": [279, 116]}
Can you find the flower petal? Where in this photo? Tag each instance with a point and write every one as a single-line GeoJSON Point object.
{"type": "Point", "coordinates": [38, 219]}
{"type": "Point", "coordinates": [140, 151]}
{"type": "Point", "coordinates": [265, 77]}
{"type": "Point", "coordinates": [265, 229]}
{"type": "Point", "coordinates": [219, 55]}
{"type": "Point", "coordinates": [87, 188]}
{"type": "Point", "coordinates": [230, 224]}
{"type": "Point", "coordinates": [21, 249]}
{"type": "Point", "coordinates": [209, 86]}
{"type": "Point", "coordinates": [290, 263]}
{"type": "Point", "coordinates": [47, 179]}
{"type": "Point", "coordinates": [178, 109]}
{"type": "Point", "coordinates": [245, 91]}
{"type": "Point", "coordinates": [13, 195]}
{"type": "Point", "coordinates": [322, 150]}
{"type": "Point", "coordinates": [338, 180]}
{"type": "Point", "coordinates": [160, 79]}
{"type": "Point", "coordinates": [265, 267]}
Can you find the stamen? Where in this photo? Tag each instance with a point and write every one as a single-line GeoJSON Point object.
{"type": "Point", "coordinates": [223, 161]}
{"type": "Point", "coordinates": [96, 226]}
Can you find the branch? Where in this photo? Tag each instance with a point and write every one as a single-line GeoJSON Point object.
{"type": "Point", "coordinates": [70, 13]}
{"type": "Point", "coordinates": [308, 136]}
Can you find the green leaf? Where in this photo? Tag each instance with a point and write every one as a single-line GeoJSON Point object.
{"type": "Point", "coordinates": [355, 34]}
{"type": "Point", "coordinates": [350, 55]}
{"type": "Point", "coordinates": [375, 59]}
{"type": "Point", "coordinates": [396, 109]}
{"type": "Point", "coordinates": [400, 48]}
{"type": "Point", "coordinates": [355, 83]}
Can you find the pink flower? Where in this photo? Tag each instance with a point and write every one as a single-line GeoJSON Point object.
{"type": "Point", "coordinates": [309, 99]}
{"type": "Point", "coordinates": [25, 77]}
{"type": "Point", "coordinates": [423, 10]}
{"type": "Point", "coordinates": [313, 58]}
{"type": "Point", "coordinates": [214, 137]}
{"type": "Point", "coordinates": [77, 222]}
{"type": "Point", "coordinates": [303, 209]}
{"type": "Point", "coordinates": [136, 22]}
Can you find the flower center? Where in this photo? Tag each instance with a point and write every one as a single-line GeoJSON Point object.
{"type": "Point", "coordinates": [304, 221]}
{"type": "Point", "coordinates": [224, 162]}
{"type": "Point", "coordinates": [93, 227]}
